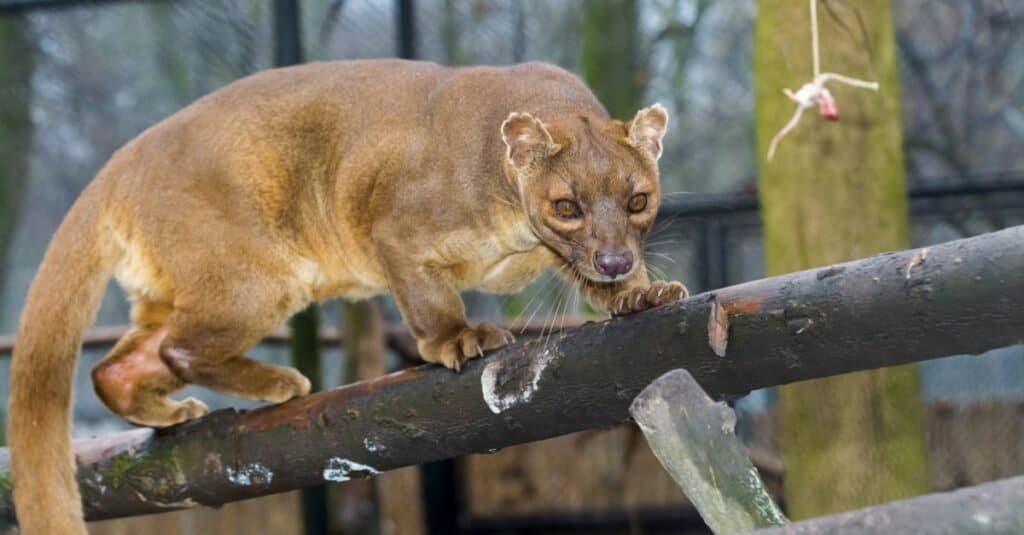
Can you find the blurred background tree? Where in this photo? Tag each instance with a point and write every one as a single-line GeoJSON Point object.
{"type": "Point", "coordinates": [17, 56]}
{"type": "Point", "coordinates": [610, 60]}
{"type": "Point", "coordinates": [836, 192]}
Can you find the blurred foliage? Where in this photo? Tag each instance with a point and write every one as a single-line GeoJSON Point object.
{"type": "Point", "coordinates": [963, 80]}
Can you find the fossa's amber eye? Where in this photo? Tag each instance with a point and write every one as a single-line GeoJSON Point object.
{"type": "Point", "coordinates": [638, 203]}
{"type": "Point", "coordinates": [567, 209]}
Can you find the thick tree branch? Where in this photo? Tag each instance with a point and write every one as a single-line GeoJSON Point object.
{"type": "Point", "coordinates": [960, 297]}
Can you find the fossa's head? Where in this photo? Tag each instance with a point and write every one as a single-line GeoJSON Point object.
{"type": "Point", "coordinates": [589, 185]}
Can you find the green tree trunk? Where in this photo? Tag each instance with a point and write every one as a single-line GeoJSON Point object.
{"type": "Point", "coordinates": [609, 59]}
{"type": "Point", "coordinates": [451, 34]}
{"type": "Point", "coordinates": [835, 191]}
{"type": "Point", "coordinates": [17, 58]}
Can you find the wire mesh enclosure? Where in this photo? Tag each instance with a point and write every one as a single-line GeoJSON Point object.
{"type": "Point", "coordinates": [80, 78]}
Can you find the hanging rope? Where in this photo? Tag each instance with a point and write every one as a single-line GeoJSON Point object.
{"type": "Point", "coordinates": [814, 38]}
{"type": "Point", "coordinates": [815, 93]}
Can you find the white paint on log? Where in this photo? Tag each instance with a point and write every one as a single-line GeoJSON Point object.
{"type": "Point", "coordinates": [499, 400]}
{"type": "Point", "coordinates": [250, 474]}
{"type": "Point", "coordinates": [339, 469]}
{"type": "Point", "coordinates": [372, 445]}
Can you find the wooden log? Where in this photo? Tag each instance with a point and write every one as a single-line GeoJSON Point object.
{"type": "Point", "coordinates": [694, 439]}
{"type": "Point", "coordinates": [884, 310]}
{"type": "Point", "coordinates": [990, 508]}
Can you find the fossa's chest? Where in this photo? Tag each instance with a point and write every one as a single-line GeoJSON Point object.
{"type": "Point", "coordinates": [514, 271]}
{"type": "Point", "coordinates": [502, 262]}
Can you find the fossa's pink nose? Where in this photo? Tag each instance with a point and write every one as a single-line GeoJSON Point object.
{"type": "Point", "coordinates": [613, 263]}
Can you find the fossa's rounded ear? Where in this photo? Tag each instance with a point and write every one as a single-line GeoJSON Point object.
{"type": "Point", "coordinates": [527, 139]}
{"type": "Point", "coordinates": [647, 129]}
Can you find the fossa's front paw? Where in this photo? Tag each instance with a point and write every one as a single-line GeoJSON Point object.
{"type": "Point", "coordinates": [287, 383]}
{"type": "Point", "coordinates": [468, 343]}
{"type": "Point", "coordinates": [640, 299]}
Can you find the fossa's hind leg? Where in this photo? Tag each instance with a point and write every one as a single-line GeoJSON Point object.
{"type": "Point", "coordinates": [133, 381]}
{"type": "Point", "coordinates": [227, 285]}
{"type": "Point", "coordinates": [208, 338]}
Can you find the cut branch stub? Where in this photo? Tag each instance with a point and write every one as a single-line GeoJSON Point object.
{"type": "Point", "coordinates": [693, 438]}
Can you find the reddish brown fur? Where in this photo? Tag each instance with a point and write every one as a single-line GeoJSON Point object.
{"type": "Point", "coordinates": [330, 179]}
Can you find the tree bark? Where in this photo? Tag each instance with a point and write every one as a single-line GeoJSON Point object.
{"type": "Point", "coordinates": [963, 299]}
{"type": "Point", "coordinates": [836, 191]}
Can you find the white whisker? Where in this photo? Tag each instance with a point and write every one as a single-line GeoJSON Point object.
{"type": "Point", "coordinates": [663, 256]}
{"type": "Point", "coordinates": [659, 274]}
{"type": "Point", "coordinates": [661, 243]}
{"type": "Point", "coordinates": [543, 291]}
{"type": "Point", "coordinates": [549, 322]}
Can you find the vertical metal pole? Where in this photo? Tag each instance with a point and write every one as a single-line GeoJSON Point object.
{"type": "Point", "coordinates": [723, 254]}
{"type": "Point", "coordinates": [305, 326]}
{"type": "Point", "coordinates": [713, 257]}
{"type": "Point", "coordinates": [440, 490]}
{"type": "Point", "coordinates": [287, 39]}
{"type": "Point", "coordinates": [405, 13]}
{"type": "Point", "coordinates": [305, 350]}
{"type": "Point", "coordinates": [704, 238]}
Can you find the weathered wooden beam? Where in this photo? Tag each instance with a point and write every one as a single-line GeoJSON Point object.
{"type": "Point", "coordinates": [964, 297]}
{"type": "Point", "coordinates": [694, 439]}
{"type": "Point", "coordinates": [990, 508]}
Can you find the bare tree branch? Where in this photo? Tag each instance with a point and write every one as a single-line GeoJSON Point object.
{"type": "Point", "coordinates": [996, 507]}
{"type": "Point", "coordinates": [964, 298]}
